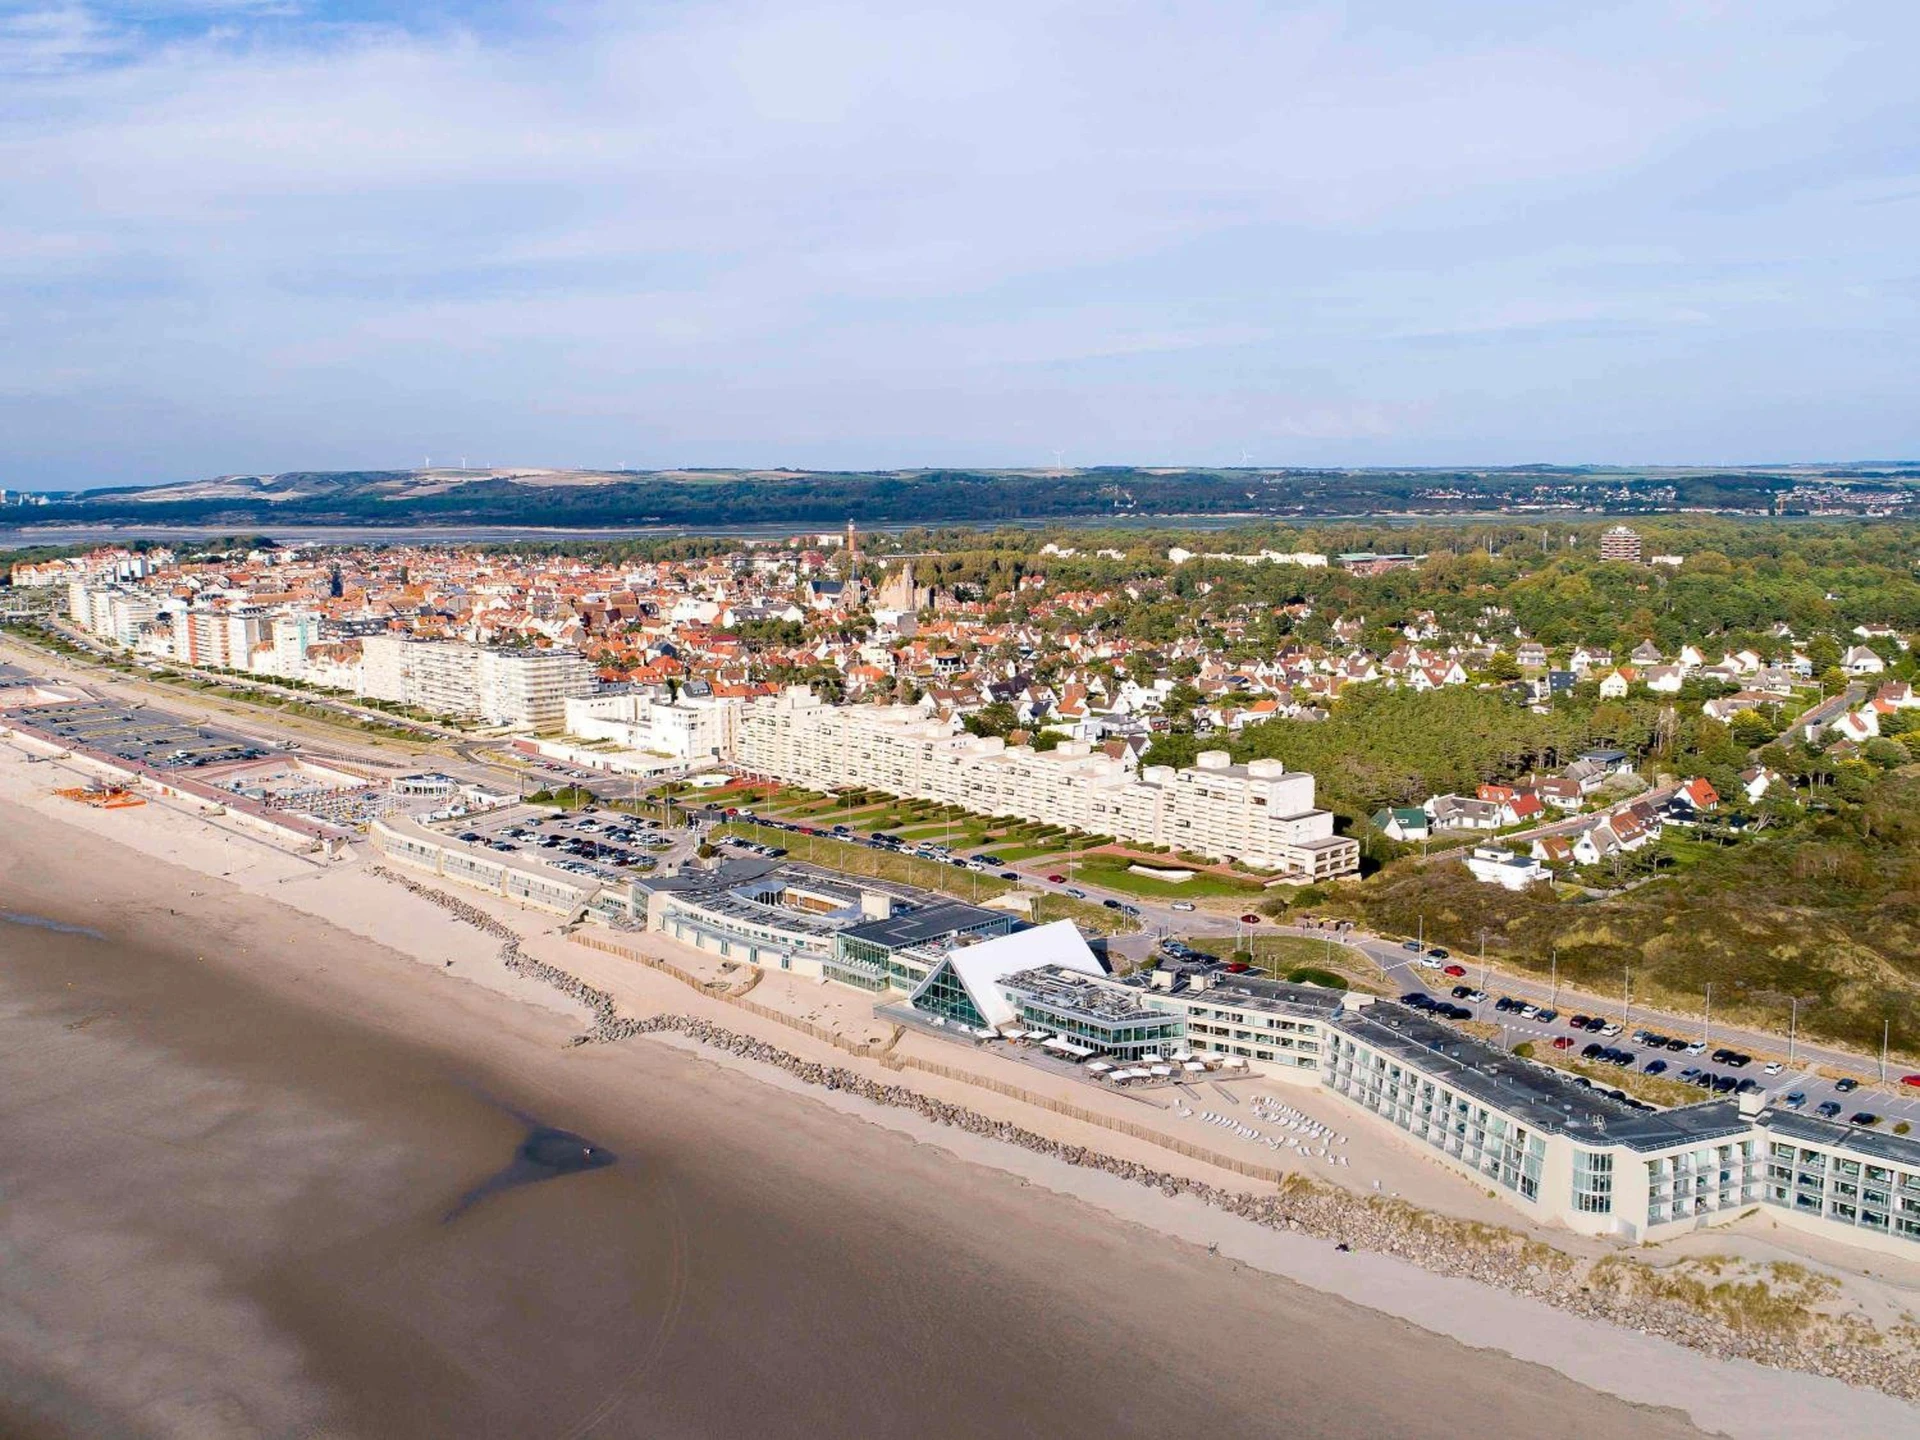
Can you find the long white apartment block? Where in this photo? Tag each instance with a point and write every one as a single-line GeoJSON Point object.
{"type": "Point", "coordinates": [1260, 813]}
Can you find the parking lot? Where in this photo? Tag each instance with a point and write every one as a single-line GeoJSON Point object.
{"type": "Point", "coordinates": [1692, 1058]}
{"type": "Point", "coordinates": [604, 845]}
{"type": "Point", "coordinates": [144, 736]}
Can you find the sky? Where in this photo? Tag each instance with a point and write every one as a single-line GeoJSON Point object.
{"type": "Point", "coordinates": [259, 237]}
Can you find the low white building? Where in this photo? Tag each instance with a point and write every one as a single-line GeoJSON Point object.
{"type": "Point", "coordinates": [1491, 865]}
{"type": "Point", "coordinates": [688, 729]}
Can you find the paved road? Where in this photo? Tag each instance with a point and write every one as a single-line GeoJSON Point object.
{"type": "Point", "coordinates": [1830, 709]}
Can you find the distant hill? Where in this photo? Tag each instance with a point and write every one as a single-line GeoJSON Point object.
{"type": "Point", "coordinates": [696, 497]}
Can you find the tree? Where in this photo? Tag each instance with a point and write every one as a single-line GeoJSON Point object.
{"type": "Point", "coordinates": [1887, 753]}
{"type": "Point", "coordinates": [995, 718]}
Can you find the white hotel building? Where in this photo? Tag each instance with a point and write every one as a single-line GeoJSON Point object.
{"type": "Point", "coordinates": [1259, 813]}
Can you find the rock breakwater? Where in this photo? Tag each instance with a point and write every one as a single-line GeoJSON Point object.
{"type": "Point", "coordinates": [1491, 1255]}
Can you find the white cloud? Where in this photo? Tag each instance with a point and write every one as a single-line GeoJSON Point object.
{"type": "Point", "coordinates": [1241, 192]}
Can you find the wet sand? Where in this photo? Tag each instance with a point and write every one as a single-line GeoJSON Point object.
{"type": "Point", "coordinates": [234, 1188]}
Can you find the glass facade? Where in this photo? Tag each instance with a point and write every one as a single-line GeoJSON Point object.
{"type": "Point", "coordinates": [1593, 1182]}
{"type": "Point", "coordinates": [941, 993]}
{"type": "Point", "coordinates": [1456, 1125]}
{"type": "Point", "coordinates": [1702, 1181]}
{"type": "Point", "coordinates": [1847, 1188]}
{"type": "Point", "coordinates": [1257, 1035]}
{"type": "Point", "coordinates": [1133, 1038]}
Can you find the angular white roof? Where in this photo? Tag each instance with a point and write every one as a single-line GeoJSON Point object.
{"type": "Point", "coordinates": [982, 967]}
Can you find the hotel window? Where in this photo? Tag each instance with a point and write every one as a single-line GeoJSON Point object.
{"type": "Point", "coordinates": [1592, 1182]}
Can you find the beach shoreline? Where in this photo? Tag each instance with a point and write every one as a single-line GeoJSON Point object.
{"type": "Point", "coordinates": [1639, 1370]}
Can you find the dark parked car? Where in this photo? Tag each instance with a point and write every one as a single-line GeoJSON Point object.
{"type": "Point", "coordinates": [1863, 1117]}
{"type": "Point", "coordinates": [1827, 1109]}
{"type": "Point", "coordinates": [1592, 1051]}
{"type": "Point", "coordinates": [1460, 992]}
{"type": "Point", "coordinates": [1676, 1046]}
{"type": "Point", "coordinates": [1656, 1067]}
{"type": "Point", "coordinates": [1846, 1085]}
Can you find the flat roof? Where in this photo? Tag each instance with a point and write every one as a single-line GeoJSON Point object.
{"type": "Point", "coordinates": [917, 927]}
{"type": "Point", "coordinates": [1255, 992]}
{"type": "Point", "coordinates": [1535, 1095]}
{"type": "Point", "coordinates": [1083, 996]}
{"type": "Point", "coordinates": [1895, 1149]}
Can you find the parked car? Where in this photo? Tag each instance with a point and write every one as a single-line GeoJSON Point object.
{"type": "Point", "coordinates": [1439, 953]}
{"type": "Point", "coordinates": [1846, 1085]}
{"type": "Point", "coordinates": [1563, 1042]}
{"type": "Point", "coordinates": [1913, 1080]}
{"type": "Point", "coordinates": [1008, 875]}
{"type": "Point", "coordinates": [1454, 970]}
{"type": "Point", "coordinates": [1249, 919]}
{"type": "Point", "coordinates": [1076, 893]}
{"type": "Point", "coordinates": [1182, 905]}
{"type": "Point", "coordinates": [1460, 992]}
{"type": "Point", "coordinates": [1591, 1050]}
{"type": "Point", "coordinates": [1545, 1016]}
{"type": "Point", "coordinates": [1056, 879]}
{"type": "Point", "coordinates": [1863, 1118]}
{"type": "Point", "coordinates": [1504, 1004]}
{"type": "Point", "coordinates": [1827, 1109]}
{"type": "Point", "coordinates": [1410, 945]}
{"type": "Point", "coordinates": [1795, 1099]}
{"type": "Point", "coordinates": [1479, 997]}
{"type": "Point", "coordinates": [1656, 1067]}
{"type": "Point", "coordinates": [1577, 1022]}
{"type": "Point", "coordinates": [1772, 1067]}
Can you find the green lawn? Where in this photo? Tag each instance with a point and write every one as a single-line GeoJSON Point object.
{"type": "Point", "coordinates": [1111, 872]}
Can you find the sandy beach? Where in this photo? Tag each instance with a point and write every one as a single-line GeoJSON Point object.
{"type": "Point", "coordinates": [235, 1134]}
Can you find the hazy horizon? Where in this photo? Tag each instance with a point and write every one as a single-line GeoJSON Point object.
{"type": "Point", "coordinates": [256, 236]}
